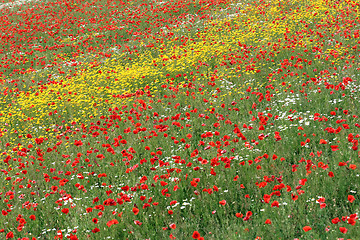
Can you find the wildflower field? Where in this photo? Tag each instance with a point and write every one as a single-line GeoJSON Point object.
{"type": "Point", "coordinates": [179, 119]}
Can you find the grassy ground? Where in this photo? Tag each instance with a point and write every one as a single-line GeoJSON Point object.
{"type": "Point", "coordinates": [180, 119]}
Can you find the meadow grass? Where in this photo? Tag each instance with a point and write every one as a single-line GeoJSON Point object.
{"type": "Point", "coordinates": [190, 119]}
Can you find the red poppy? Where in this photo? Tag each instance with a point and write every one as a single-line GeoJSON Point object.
{"type": "Point", "coordinates": [268, 221]}
{"type": "Point", "coordinates": [112, 222]}
{"type": "Point", "coordinates": [294, 197]}
{"type": "Point", "coordinates": [135, 211]}
{"type": "Point", "coordinates": [334, 148]}
{"type": "Point", "coordinates": [222, 202]}
{"type": "Point", "coordinates": [267, 198]}
{"type": "Point", "coordinates": [307, 228]}
{"type": "Point", "coordinates": [335, 220]}
{"type": "Point", "coordinates": [248, 215]}
{"type": "Point", "coordinates": [65, 210]}
{"type": "Point", "coordinates": [9, 235]}
{"type": "Point", "coordinates": [352, 166]}
{"type": "Point", "coordinates": [196, 235]}
{"type": "Point", "coordinates": [343, 229]}
{"type": "Point", "coordinates": [351, 198]}
{"type": "Point", "coordinates": [275, 204]}
{"type": "Point", "coordinates": [73, 237]}
{"type": "Point", "coordinates": [351, 221]}
{"type": "Point", "coordinates": [78, 143]}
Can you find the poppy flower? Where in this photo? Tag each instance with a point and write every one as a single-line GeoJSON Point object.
{"type": "Point", "coordinates": [352, 166]}
{"type": "Point", "coordinates": [343, 229]}
{"type": "Point", "coordinates": [307, 228]}
{"type": "Point", "coordinates": [78, 143]}
{"type": "Point", "coordinates": [335, 220]}
{"type": "Point", "coordinates": [9, 235]}
{"type": "Point", "coordinates": [222, 202]}
{"type": "Point", "coordinates": [112, 222]}
{"type": "Point", "coordinates": [196, 235]}
{"type": "Point", "coordinates": [334, 148]}
{"type": "Point", "coordinates": [73, 237]}
{"type": "Point", "coordinates": [135, 211]}
{"type": "Point", "coordinates": [351, 221]}
{"type": "Point", "coordinates": [267, 198]}
{"type": "Point", "coordinates": [65, 210]}
{"type": "Point", "coordinates": [248, 215]}
{"type": "Point", "coordinates": [275, 204]}
{"type": "Point", "coordinates": [351, 198]}
{"type": "Point", "coordinates": [268, 221]}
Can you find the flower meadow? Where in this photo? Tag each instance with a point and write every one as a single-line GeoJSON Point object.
{"type": "Point", "coordinates": [179, 119]}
